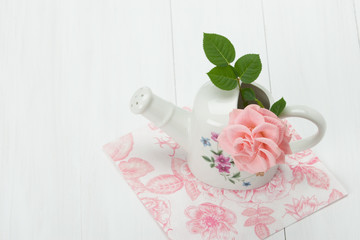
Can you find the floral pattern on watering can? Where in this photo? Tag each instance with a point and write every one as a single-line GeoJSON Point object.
{"type": "Point", "coordinates": [224, 164]}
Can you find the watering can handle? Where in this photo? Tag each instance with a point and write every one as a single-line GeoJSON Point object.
{"type": "Point", "coordinates": [311, 115]}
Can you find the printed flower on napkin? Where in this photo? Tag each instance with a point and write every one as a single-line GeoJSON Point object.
{"type": "Point", "coordinates": [155, 168]}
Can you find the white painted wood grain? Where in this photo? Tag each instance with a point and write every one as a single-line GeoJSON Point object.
{"type": "Point", "coordinates": [314, 60]}
{"type": "Point", "coordinates": [68, 68]}
{"type": "Point", "coordinates": [240, 21]}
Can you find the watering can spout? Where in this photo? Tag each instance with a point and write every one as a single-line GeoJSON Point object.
{"type": "Point", "coordinates": [171, 119]}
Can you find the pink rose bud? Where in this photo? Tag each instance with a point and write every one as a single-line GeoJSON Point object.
{"type": "Point", "coordinates": [255, 138]}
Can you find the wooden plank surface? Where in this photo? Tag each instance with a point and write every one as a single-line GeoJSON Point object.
{"type": "Point", "coordinates": [68, 69]}
{"type": "Point", "coordinates": [314, 60]}
{"type": "Point", "coordinates": [242, 23]}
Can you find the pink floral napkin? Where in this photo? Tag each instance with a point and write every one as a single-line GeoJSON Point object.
{"type": "Point", "coordinates": [155, 167]}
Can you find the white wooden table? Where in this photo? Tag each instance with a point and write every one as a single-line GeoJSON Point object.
{"type": "Point", "coordinates": [69, 67]}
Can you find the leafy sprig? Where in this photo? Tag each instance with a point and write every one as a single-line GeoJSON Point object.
{"type": "Point", "coordinates": [220, 52]}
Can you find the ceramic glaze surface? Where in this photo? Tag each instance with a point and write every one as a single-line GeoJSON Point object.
{"type": "Point", "coordinates": [197, 132]}
{"type": "Point", "coordinates": [210, 115]}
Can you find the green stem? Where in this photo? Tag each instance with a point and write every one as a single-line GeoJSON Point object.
{"type": "Point", "coordinates": [258, 102]}
{"type": "Point", "coordinates": [243, 100]}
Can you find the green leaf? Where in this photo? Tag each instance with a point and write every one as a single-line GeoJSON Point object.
{"type": "Point", "coordinates": [212, 159]}
{"type": "Point", "coordinates": [212, 165]}
{"type": "Point", "coordinates": [278, 107]}
{"type": "Point", "coordinates": [214, 152]}
{"type": "Point", "coordinates": [218, 49]}
{"type": "Point", "coordinates": [248, 94]}
{"type": "Point", "coordinates": [248, 67]}
{"type": "Point", "coordinates": [236, 175]}
{"type": "Point", "coordinates": [217, 153]}
{"type": "Point", "coordinates": [232, 181]}
{"type": "Point", "coordinates": [223, 77]}
{"type": "Point", "coordinates": [206, 158]}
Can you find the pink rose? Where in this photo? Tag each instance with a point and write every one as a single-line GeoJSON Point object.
{"type": "Point", "coordinates": [255, 138]}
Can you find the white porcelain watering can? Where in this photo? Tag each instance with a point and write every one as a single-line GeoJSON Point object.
{"type": "Point", "coordinates": [196, 131]}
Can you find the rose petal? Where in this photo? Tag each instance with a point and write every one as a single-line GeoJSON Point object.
{"type": "Point", "coordinates": [244, 157]}
{"type": "Point", "coordinates": [270, 158]}
{"type": "Point", "coordinates": [241, 166]}
{"type": "Point", "coordinates": [267, 113]}
{"type": "Point", "coordinates": [227, 137]}
{"type": "Point", "coordinates": [281, 159]}
{"type": "Point", "coordinates": [267, 130]}
{"type": "Point", "coordinates": [285, 146]}
{"type": "Point", "coordinates": [270, 146]}
{"type": "Point", "coordinates": [248, 117]}
{"type": "Point", "coordinates": [225, 144]}
{"type": "Point", "coordinates": [279, 123]}
{"type": "Point", "coordinates": [233, 115]}
{"type": "Point", "coordinates": [254, 107]}
{"type": "Point", "coordinates": [243, 145]}
{"type": "Point", "coordinates": [259, 164]}
{"type": "Point", "coordinates": [237, 131]}
{"type": "Point", "coordinates": [255, 138]}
